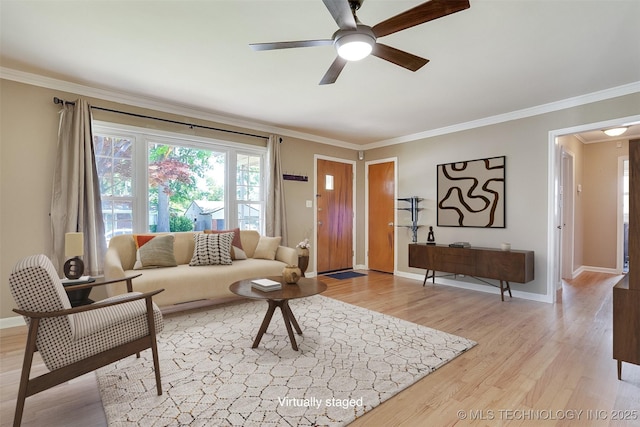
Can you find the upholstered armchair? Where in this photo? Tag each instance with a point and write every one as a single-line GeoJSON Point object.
{"type": "Point", "coordinates": [74, 341]}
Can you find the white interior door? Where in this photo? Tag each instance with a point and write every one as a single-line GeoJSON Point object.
{"type": "Point", "coordinates": [555, 278]}
{"type": "Point", "coordinates": [568, 205]}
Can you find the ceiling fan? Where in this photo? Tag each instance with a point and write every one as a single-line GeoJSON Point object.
{"type": "Point", "coordinates": [355, 41]}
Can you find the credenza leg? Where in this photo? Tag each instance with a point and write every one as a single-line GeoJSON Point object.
{"type": "Point", "coordinates": [505, 288]}
{"type": "Point", "coordinates": [426, 276]}
{"type": "Point", "coordinates": [619, 369]}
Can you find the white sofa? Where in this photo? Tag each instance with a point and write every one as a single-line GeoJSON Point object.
{"type": "Point", "coordinates": [185, 283]}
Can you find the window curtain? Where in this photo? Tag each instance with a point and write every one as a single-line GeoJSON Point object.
{"type": "Point", "coordinates": [75, 200]}
{"type": "Point", "coordinates": [276, 221]}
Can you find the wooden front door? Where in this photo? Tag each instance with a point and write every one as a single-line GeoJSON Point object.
{"type": "Point", "coordinates": [381, 228]}
{"type": "Point", "coordinates": [334, 202]}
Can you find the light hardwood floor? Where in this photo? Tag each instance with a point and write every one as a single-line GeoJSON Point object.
{"type": "Point", "coordinates": [535, 363]}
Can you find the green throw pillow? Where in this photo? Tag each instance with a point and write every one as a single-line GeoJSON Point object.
{"type": "Point", "coordinates": [156, 252]}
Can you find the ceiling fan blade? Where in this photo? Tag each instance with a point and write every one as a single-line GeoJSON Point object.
{"type": "Point", "coordinates": [341, 12]}
{"type": "Point", "coordinates": [420, 14]}
{"type": "Point", "coordinates": [289, 45]}
{"type": "Point", "coordinates": [334, 71]}
{"type": "Point", "coordinates": [398, 57]}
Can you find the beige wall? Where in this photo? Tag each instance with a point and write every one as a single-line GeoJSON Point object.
{"type": "Point", "coordinates": [600, 194]}
{"type": "Point", "coordinates": [29, 124]}
{"type": "Point", "coordinates": [525, 143]}
{"type": "Point", "coordinates": [298, 158]}
{"type": "Point", "coordinates": [27, 149]}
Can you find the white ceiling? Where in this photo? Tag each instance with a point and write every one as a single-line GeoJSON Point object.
{"type": "Point", "coordinates": [494, 58]}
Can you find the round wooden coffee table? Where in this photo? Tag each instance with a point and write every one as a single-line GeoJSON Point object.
{"type": "Point", "coordinates": [305, 287]}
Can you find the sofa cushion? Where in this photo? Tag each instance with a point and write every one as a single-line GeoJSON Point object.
{"type": "Point", "coordinates": [236, 245]}
{"type": "Point", "coordinates": [267, 247]}
{"type": "Point", "coordinates": [154, 251]}
{"type": "Point", "coordinates": [250, 240]}
{"type": "Point", "coordinates": [185, 283]}
{"type": "Point", "coordinates": [212, 249]}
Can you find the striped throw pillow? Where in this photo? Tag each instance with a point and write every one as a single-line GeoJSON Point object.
{"type": "Point", "coordinates": [212, 249]}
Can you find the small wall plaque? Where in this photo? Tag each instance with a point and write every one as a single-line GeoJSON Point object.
{"type": "Point", "coordinates": [289, 177]}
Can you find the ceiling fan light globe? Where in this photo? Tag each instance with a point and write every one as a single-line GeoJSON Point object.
{"type": "Point", "coordinates": [354, 47]}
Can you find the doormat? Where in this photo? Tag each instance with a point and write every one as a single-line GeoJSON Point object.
{"type": "Point", "coordinates": [344, 275]}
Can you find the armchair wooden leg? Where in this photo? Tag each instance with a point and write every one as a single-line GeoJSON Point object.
{"type": "Point", "coordinates": [30, 348]}
{"type": "Point", "coordinates": [154, 346]}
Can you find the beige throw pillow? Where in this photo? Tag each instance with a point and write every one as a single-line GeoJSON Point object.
{"type": "Point", "coordinates": [267, 247]}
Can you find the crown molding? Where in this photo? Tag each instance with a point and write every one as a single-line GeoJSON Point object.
{"type": "Point", "coordinates": [580, 138]}
{"type": "Point", "coordinates": [160, 105]}
{"type": "Point", "coordinates": [602, 95]}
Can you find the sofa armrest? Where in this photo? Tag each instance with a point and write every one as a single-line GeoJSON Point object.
{"type": "Point", "coordinates": [287, 255]}
{"type": "Point", "coordinates": [113, 269]}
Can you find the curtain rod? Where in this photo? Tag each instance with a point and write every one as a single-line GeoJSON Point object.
{"type": "Point", "coordinates": [57, 100]}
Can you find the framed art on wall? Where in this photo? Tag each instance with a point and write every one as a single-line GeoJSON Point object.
{"type": "Point", "coordinates": [472, 193]}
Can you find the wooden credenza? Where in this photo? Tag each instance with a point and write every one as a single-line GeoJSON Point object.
{"type": "Point", "coordinates": [626, 324]}
{"type": "Point", "coordinates": [488, 263]}
{"type": "Point", "coordinates": [626, 294]}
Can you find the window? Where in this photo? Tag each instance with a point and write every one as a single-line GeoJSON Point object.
{"type": "Point", "coordinates": [114, 158]}
{"type": "Point", "coordinates": [249, 200]}
{"type": "Point", "coordinates": [159, 181]}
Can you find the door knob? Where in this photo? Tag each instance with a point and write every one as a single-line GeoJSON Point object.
{"type": "Point", "coordinates": [319, 222]}
{"type": "Point", "coordinates": [390, 224]}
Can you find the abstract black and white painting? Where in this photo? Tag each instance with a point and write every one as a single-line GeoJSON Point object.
{"type": "Point", "coordinates": [472, 193]}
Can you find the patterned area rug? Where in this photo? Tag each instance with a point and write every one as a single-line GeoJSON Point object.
{"type": "Point", "coordinates": [350, 360]}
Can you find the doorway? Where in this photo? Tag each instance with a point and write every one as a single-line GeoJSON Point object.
{"type": "Point", "coordinates": [334, 214]}
{"type": "Point", "coordinates": [381, 211]}
{"type": "Point", "coordinates": [555, 219]}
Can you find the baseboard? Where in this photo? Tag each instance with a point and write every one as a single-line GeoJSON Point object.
{"type": "Point", "coordinates": [578, 271]}
{"type": "Point", "coordinates": [12, 322]}
{"type": "Point", "coordinates": [476, 287]}
{"type": "Point", "coordinates": [584, 268]}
